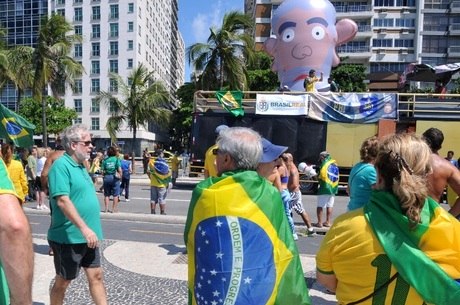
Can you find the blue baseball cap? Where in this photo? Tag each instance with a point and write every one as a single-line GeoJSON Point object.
{"type": "Point", "coordinates": [271, 152]}
{"type": "Point", "coordinates": [220, 128]}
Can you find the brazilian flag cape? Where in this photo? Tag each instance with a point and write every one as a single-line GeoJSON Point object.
{"type": "Point", "coordinates": [239, 244]}
{"type": "Point", "coordinates": [438, 231]}
{"type": "Point", "coordinates": [6, 187]}
{"type": "Point", "coordinates": [328, 177]}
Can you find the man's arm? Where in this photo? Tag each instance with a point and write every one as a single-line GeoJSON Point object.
{"type": "Point", "coordinates": [68, 209]}
{"type": "Point", "coordinates": [454, 183]}
{"type": "Point", "coordinates": [46, 168]}
{"type": "Point", "coordinates": [16, 252]}
{"type": "Point", "coordinates": [327, 280]}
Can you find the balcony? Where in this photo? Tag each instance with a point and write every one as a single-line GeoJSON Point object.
{"type": "Point", "coordinates": [364, 30]}
{"type": "Point", "coordinates": [356, 11]}
{"type": "Point", "coordinates": [434, 29]}
{"type": "Point", "coordinates": [454, 29]}
{"type": "Point", "coordinates": [455, 7]}
{"type": "Point", "coordinates": [453, 51]}
{"type": "Point", "coordinates": [354, 52]}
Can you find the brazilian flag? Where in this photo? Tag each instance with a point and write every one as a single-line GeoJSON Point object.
{"type": "Point", "coordinates": [231, 101]}
{"type": "Point", "coordinates": [328, 177]}
{"type": "Point", "coordinates": [4, 291]}
{"type": "Point", "coordinates": [239, 244]}
{"type": "Point", "coordinates": [438, 233]}
{"type": "Point", "coordinates": [15, 128]}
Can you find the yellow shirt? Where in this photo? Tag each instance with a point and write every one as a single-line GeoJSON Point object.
{"type": "Point", "coordinates": [18, 177]}
{"type": "Point", "coordinates": [175, 163]}
{"type": "Point", "coordinates": [310, 83]}
{"type": "Point", "coordinates": [351, 251]}
{"type": "Point", "coordinates": [157, 179]}
{"type": "Point", "coordinates": [210, 161]}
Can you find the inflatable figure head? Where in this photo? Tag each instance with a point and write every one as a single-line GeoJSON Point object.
{"type": "Point", "coordinates": [306, 35]}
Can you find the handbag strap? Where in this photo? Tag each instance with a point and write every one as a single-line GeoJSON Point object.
{"type": "Point", "coordinates": [376, 290]}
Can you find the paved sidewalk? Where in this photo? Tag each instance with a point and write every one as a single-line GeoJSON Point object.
{"type": "Point", "coordinates": [140, 273]}
{"type": "Point", "coordinates": [137, 272]}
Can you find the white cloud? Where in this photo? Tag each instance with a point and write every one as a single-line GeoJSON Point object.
{"type": "Point", "coordinates": [200, 28]}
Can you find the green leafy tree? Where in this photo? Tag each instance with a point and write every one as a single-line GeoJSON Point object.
{"type": "Point", "coordinates": [261, 76]}
{"type": "Point", "coordinates": [136, 103]}
{"type": "Point", "coordinates": [223, 58]}
{"type": "Point", "coordinates": [181, 121]}
{"type": "Point", "coordinates": [58, 116]}
{"type": "Point", "coordinates": [52, 64]}
{"type": "Point", "coordinates": [350, 77]}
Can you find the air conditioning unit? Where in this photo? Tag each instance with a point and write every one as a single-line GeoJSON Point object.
{"type": "Point", "coordinates": [382, 30]}
{"type": "Point", "coordinates": [404, 51]}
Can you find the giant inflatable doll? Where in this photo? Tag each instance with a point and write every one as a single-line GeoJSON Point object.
{"type": "Point", "coordinates": [306, 35]}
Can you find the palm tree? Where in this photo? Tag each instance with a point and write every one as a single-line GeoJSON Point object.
{"type": "Point", "coordinates": [52, 65]}
{"type": "Point", "coordinates": [139, 101]}
{"type": "Point", "coordinates": [225, 55]}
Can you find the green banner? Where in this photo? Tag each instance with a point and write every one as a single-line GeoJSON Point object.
{"type": "Point", "coordinates": [15, 128]}
{"type": "Point", "coordinates": [231, 101]}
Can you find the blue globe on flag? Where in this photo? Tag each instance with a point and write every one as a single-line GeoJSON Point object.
{"type": "Point", "coordinates": [234, 262]}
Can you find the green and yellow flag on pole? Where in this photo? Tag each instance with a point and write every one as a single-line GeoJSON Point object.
{"type": "Point", "coordinates": [437, 235]}
{"type": "Point", "coordinates": [231, 101]}
{"type": "Point", "coordinates": [239, 245]}
{"type": "Point", "coordinates": [15, 128]}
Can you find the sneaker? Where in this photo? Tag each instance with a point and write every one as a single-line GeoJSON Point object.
{"type": "Point", "coordinates": [311, 232]}
{"type": "Point", "coordinates": [163, 213]}
{"type": "Point", "coordinates": [127, 200]}
{"type": "Point", "coordinates": [39, 207]}
{"type": "Point", "coordinates": [44, 207]}
{"type": "Point", "coordinates": [152, 212]}
{"type": "Point", "coordinates": [295, 236]}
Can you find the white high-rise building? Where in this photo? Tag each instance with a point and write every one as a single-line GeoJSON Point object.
{"type": "Point", "coordinates": [391, 34]}
{"type": "Point", "coordinates": [118, 36]}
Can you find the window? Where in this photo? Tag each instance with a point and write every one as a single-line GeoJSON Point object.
{"type": "Point", "coordinates": [130, 26]}
{"type": "Point", "coordinates": [77, 105]}
{"type": "Point", "coordinates": [95, 105]}
{"type": "Point", "coordinates": [114, 30]}
{"type": "Point", "coordinates": [95, 67]}
{"type": "Point", "coordinates": [78, 14]}
{"type": "Point", "coordinates": [405, 23]}
{"type": "Point", "coordinates": [77, 121]}
{"type": "Point", "coordinates": [113, 48]}
{"type": "Point", "coordinates": [113, 107]}
{"type": "Point", "coordinates": [113, 85]}
{"type": "Point", "coordinates": [130, 44]}
{"type": "Point", "coordinates": [130, 7]}
{"type": "Point", "coordinates": [78, 30]}
{"type": "Point", "coordinates": [113, 66]}
{"type": "Point", "coordinates": [95, 124]}
{"type": "Point", "coordinates": [96, 13]}
{"type": "Point", "coordinates": [61, 12]}
{"type": "Point", "coordinates": [77, 1]}
{"type": "Point", "coordinates": [405, 2]}
{"type": "Point", "coordinates": [77, 87]}
{"type": "Point", "coordinates": [78, 50]}
{"type": "Point", "coordinates": [130, 63]}
{"type": "Point", "coordinates": [404, 43]}
{"type": "Point", "coordinates": [385, 43]}
{"type": "Point", "coordinates": [114, 11]}
{"type": "Point", "coordinates": [95, 49]}
{"type": "Point", "coordinates": [60, 2]}
{"type": "Point", "coordinates": [386, 22]}
{"type": "Point", "coordinates": [384, 2]}
{"type": "Point", "coordinates": [95, 85]}
{"type": "Point", "coordinates": [96, 31]}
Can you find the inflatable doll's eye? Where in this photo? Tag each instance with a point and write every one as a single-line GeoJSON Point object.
{"type": "Point", "coordinates": [288, 35]}
{"type": "Point", "coordinates": [318, 32]}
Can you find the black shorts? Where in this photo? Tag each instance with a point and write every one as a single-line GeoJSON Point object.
{"type": "Point", "coordinates": [69, 258]}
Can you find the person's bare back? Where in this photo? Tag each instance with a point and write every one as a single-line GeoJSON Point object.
{"type": "Point", "coordinates": [444, 173]}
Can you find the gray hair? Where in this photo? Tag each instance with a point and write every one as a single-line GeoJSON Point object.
{"type": "Point", "coordinates": [243, 145]}
{"type": "Point", "coordinates": [72, 134]}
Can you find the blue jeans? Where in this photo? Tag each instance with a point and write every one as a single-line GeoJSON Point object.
{"type": "Point", "coordinates": [125, 186]}
{"type": "Point", "coordinates": [111, 186]}
{"type": "Point", "coordinates": [286, 198]}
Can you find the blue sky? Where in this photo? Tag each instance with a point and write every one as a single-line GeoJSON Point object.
{"type": "Point", "coordinates": [197, 16]}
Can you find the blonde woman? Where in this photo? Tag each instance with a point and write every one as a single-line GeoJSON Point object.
{"type": "Point", "coordinates": [16, 172]}
{"type": "Point", "coordinates": [401, 245]}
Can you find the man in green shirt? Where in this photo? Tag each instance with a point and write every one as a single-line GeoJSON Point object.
{"type": "Point", "coordinates": [75, 230]}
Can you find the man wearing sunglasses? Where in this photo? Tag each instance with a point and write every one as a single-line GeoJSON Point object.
{"type": "Point", "coordinates": [75, 231]}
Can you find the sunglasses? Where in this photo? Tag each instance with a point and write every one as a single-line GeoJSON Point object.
{"type": "Point", "coordinates": [86, 143]}
{"type": "Point", "coordinates": [216, 151]}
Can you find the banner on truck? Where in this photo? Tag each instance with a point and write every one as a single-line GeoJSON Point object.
{"type": "Point", "coordinates": [352, 107]}
{"type": "Point", "coordinates": [282, 104]}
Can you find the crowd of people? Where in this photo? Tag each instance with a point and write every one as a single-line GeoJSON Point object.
{"type": "Point", "coordinates": [394, 224]}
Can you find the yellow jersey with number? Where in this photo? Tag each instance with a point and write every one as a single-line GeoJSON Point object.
{"type": "Point", "coordinates": [351, 252]}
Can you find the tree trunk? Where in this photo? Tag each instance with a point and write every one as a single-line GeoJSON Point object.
{"type": "Point", "coordinates": [44, 131]}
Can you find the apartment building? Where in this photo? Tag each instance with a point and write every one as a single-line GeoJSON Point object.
{"type": "Point", "coordinates": [117, 36]}
{"type": "Point", "coordinates": [391, 34]}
